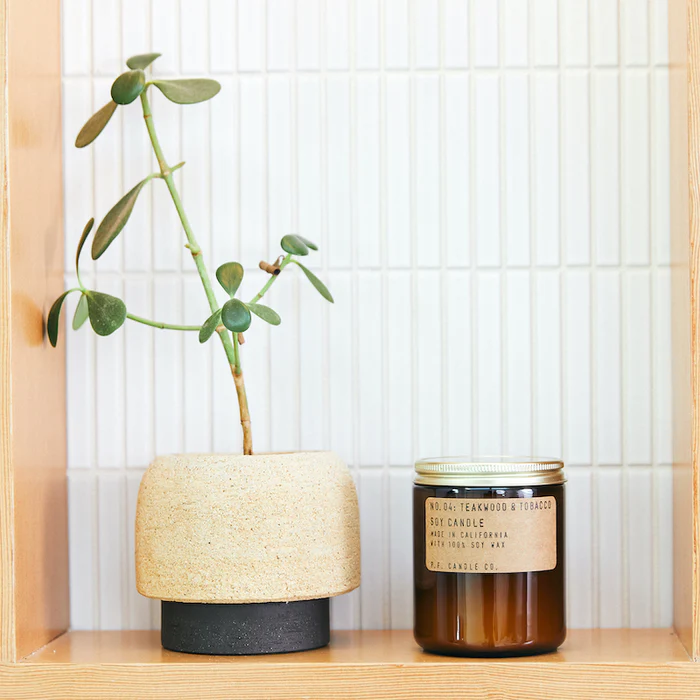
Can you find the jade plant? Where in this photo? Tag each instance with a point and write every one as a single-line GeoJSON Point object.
{"type": "Point", "coordinates": [108, 313]}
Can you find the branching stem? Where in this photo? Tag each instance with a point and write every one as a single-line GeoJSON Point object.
{"type": "Point", "coordinates": [230, 344]}
{"type": "Point", "coordinates": [158, 324]}
{"type": "Point", "coordinates": [269, 283]}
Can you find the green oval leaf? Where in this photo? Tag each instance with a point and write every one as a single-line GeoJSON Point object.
{"type": "Point", "coordinates": [309, 243]}
{"type": "Point", "coordinates": [142, 61]}
{"type": "Point", "coordinates": [320, 287]}
{"type": "Point", "coordinates": [235, 316]}
{"type": "Point", "coordinates": [294, 244]}
{"type": "Point", "coordinates": [93, 126]}
{"type": "Point", "coordinates": [128, 86]}
{"type": "Point", "coordinates": [83, 238]}
{"type": "Point", "coordinates": [266, 313]}
{"type": "Point", "coordinates": [107, 313]}
{"type": "Point", "coordinates": [188, 91]}
{"type": "Point", "coordinates": [54, 317]}
{"type": "Point", "coordinates": [81, 313]}
{"type": "Point", "coordinates": [110, 227]}
{"type": "Point", "coordinates": [230, 276]}
{"type": "Point", "coordinates": [209, 326]}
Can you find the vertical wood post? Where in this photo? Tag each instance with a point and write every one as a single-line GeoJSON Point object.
{"type": "Point", "coordinates": [33, 499]}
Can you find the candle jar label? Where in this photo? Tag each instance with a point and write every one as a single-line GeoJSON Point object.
{"type": "Point", "coordinates": [490, 535]}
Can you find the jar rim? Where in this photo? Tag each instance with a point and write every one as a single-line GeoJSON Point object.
{"type": "Point", "coordinates": [489, 470]}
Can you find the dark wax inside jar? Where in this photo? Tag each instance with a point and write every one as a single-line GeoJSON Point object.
{"type": "Point", "coordinates": [487, 614]}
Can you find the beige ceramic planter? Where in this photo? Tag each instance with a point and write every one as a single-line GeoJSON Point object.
{"type": "Point", "coordinates": [247, 529]}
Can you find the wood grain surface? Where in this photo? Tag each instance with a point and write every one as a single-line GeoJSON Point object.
{"type": "Point", "coordinates": [693, 24]}
{"type": "Point", "coordinates": [33, 539]}
{"type": "Point", "coordinates": [7, 610]}
{"type": "Point", "coordinates": [684, 54]}
{"type": "Point", "coordinates": [593, 663]}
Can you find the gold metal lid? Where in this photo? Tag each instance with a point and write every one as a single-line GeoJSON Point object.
{"type": "Point", "coordinates": [489, 471]}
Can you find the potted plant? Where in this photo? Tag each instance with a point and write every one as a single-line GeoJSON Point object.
{"type": "Point", "coordinates": [244, 550]}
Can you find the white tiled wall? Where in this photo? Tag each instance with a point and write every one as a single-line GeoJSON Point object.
{"type": "Point", "coordinates": [488, 184]}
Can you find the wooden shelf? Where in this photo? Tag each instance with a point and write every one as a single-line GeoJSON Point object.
{"type": "Point", "coordinates": [631, 664]}
{"type": "Point", "coordinates": [592, 663]}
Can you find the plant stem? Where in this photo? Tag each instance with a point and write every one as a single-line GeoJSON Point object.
{"type": "Point", "coordinates": [268, 284]}
{"type": "Point", "coordinates": [236, 355]}
{"type": "Point", "coordinates": [242, 401]}
{"type": "Point", "coordinates": [229, 344]}
{"type": "Point", "coordinates": [158, 324]}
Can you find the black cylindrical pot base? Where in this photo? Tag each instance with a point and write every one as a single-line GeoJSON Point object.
{"type": "Point", "coordinates": [245, 628]}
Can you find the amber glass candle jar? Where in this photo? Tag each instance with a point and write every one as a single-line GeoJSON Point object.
{"type": "Point", "coordinates": [488, 542]}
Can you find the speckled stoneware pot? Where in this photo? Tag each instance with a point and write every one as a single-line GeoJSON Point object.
{"type": "Point", "coordinates": [245, 551]}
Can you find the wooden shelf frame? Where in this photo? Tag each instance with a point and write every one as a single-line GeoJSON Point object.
{"type": "Point", "coordinates": [33, 501]}
{"type": "Point", "coordinates": [640, 664]}
{"type": "Point", "coordinates": [684, 87]}
{"type": "Point", "coordinates": [39, 658]}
